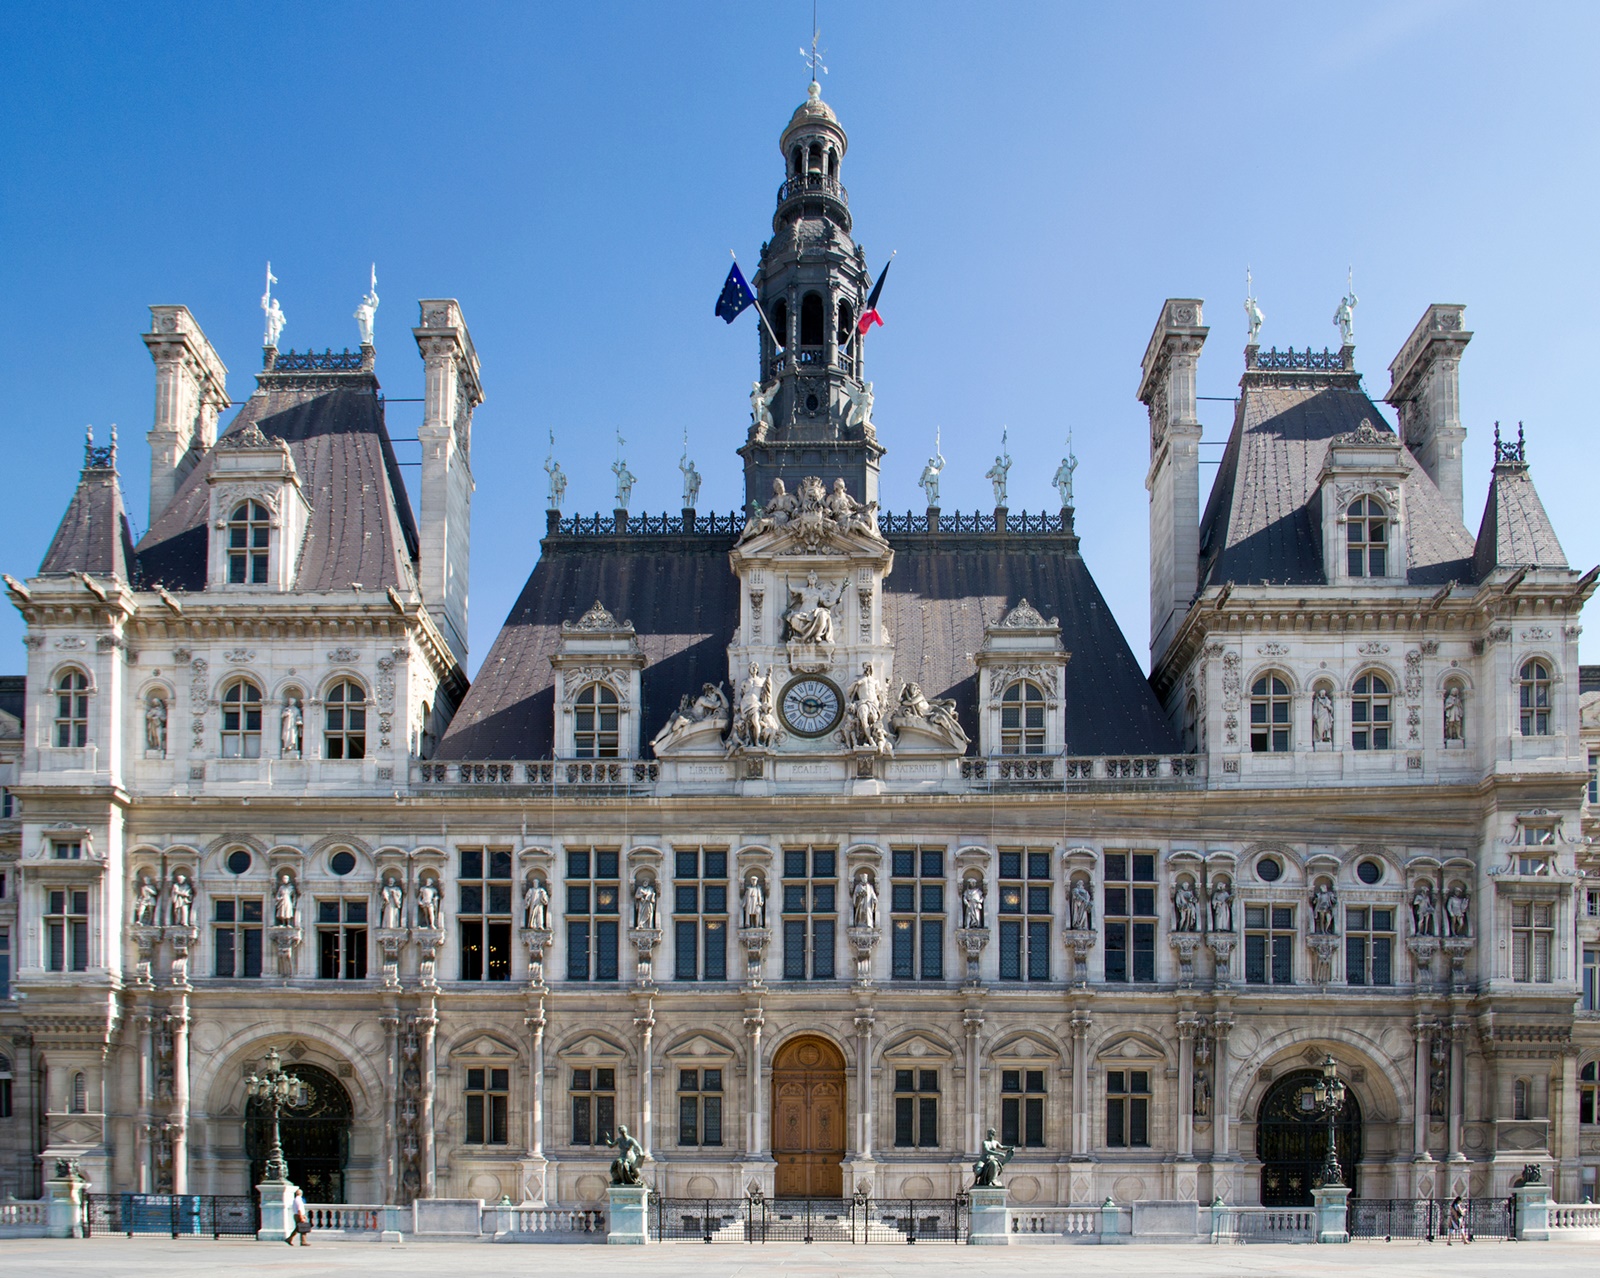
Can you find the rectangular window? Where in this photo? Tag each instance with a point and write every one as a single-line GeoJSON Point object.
{"type": "Point", "coordinates": [810, 913]}
{"type": "Point", "coordinates": [700, 1107]}
{"type": "Point", "coordinates": [1532, 938]}
{"type": "Point", "coordinates": [342, 940]}
{"type": "Point", "coordinates": [67, 930]}
{"type": "Point", "coordinates": [5, 962]}
{"type": "Point", "coordinates": [1368, 946]}
{"type": "Point", "coordinates": [8, 801]}
{"type": "Point", "coordinates": [1025, 916]}
{"type": "Point", "coordinates": [1022, 1108]}
{"type": "Point", "coordinates": [700, 914]}
{"type": "Point", "coordinates": [1591, 976]}
{"type": "Point", "coordinates": [916, 906]}
{"type": "Point", "coordinates": [594, 1106]}
{"type": "Point", "coordinates": [488, 1103]}
{"type": "Point", "coordinates": [593, 914]}
{"type": "Point", "coordinates": [483, 914]}
{"type": "Point", "coordinates": [67, 850]}
{"type": "Point", "coordinates": [1130, 916]}
{"type": "Point", "coordinates": [1594, 779]}
{"type": "Point", "coordinates": [916, 1108]}
{"type": "Point", "coordinates": [1128, 1108]}
{"type": "Point", "coordinates": [236, 936]}
{"type": "Point", "coordinates": [1269, 944]}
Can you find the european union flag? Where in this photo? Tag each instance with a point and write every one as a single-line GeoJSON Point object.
{"type": "Point", "coordinates": [736, 295]}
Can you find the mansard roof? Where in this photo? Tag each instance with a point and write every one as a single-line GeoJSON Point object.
{"type": "Point", "coordinates": [1515, 532]}
{"type": "Point", "coordinates": [94, 536]}
{"type": "Point", "coordinates": [682, 597]}
{"type": "Point", "coordinates": [361, 527]}
{"type": "Point", "coordinates": [1263, 521]}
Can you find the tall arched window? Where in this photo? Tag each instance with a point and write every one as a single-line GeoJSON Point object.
{"type": "Point", "coordinates": [72, 709]}
{"type": "Point", "coordinates": [241, 720]}
{"type": "Point", "coordinates": [346, 733]}
{"type": "Point", "coordinates": [780, 320]}
{"type": "Point", "coordinates": [1367, 538]}
{"type": "Point", "coordinates": [1191, 725]}
{"type": "Point", "coordinates": [1369, 713]}
{"type": "Point", "coordinates": [1022, 719]}
{"type": "Point", "coordinates": [812, 328]}
{"type": "Point", "coordinates": [5, 1085]}
{"type": "Point", "coordinates": [594, 734]}
{"type": "Point", "coordinates": [249, 534]}
{"type": "Point", "coordinates": [796, 162]}
{"type": "Point", "coordinates": [847, 322]}
{"type": "Point", "coordinates": [1269, 715]}
{"type": "Point", "coordinates": [80, 1093]}
{"type": "Point", "coordinates": [1535, 690]}
{"type": "Point", "coordinates": [1519, 1100]}
{"type": "Point", "coordinates": [1589, 1094]}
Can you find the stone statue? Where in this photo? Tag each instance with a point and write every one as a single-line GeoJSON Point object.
{"type": "Point", "coordinates": [645, 899]}
{"type": "Point", "coordinates": [368, 309]}
{"type": "Point", "coordinates": [1324, 910]}
{"type": "Point", "coordinates": [1322, 718]}
{"type": "Point", "coordinates": [1221, 906]}
{"type": "Point", "coordinates": [860, 411]}
{"type": "Point", "coordinates": [992, 1158]}
{"type": "Point", "coordinates": [180, 901]}
{"type": "Point", "coordinates": [1202, 1093]}
{"type": "Point", "coordinates": [284, 901]}
{"type": "Point", "coordinates": [558, 478]}
{"type": "Point", "coordinates": [630, 1153]}
{"type": "Point", "coordinates": [1457, 904]}
{"type": "Point", "coordinates": [931, 472]}
{"type": "Point", "coordinates": [273, 312]}
{"type": "Point", "coordinates": [1345, 316]}
{"type": "Point", "coordinates": [290, 723]}
{"type": "Point", "coordinates": [625, 478]}
{"type": "Point", "coordinates": [1063, 479]}
{"type": "Point", "coordinates": [755, 720]}
{"type": "Point", "coordinates": [1082, 908]}
{"type": "Point", "coordinates": [972, 904]}
{"type": "Point", "coordinates": [1422, 910]}
{"type": "Point", "coordinates": [393, 900]}
{"type": "Point", "coordinates": [428, 901]}
{"type": "Point", "coordinates": [938, 713]}
{"type": "Point", "coordinates": [997, 473]}
{"type": "Point", "coordinates": [809, 617]}
{"type": "Point", "coordinates": [144, 902]}
{"type": "Point", "coordinates": [863, 721]}
{"type": "Point", "coordinates": [844, 509]}
{"type": "Point", "coordinates": [691, 479]}
{"type": "Point", "coordinates": [754, 906]}
{"type": "Point", "coordinates": [863, 902]}
{"type": "Point", "coordinates": [536, 906]}
{"type": "Point", "coordinates": [1186, 908]}
{"type": "Point", "coordinates": [155, 726]}
{"type": "Point", "coordinates": [711, 704]}
{"type": "Point", "coordinates": [1253, 316]}
{"type": "Point", "coordinates": [1455, 719]}
{"type": "Point", "coordinates": [761, 398]}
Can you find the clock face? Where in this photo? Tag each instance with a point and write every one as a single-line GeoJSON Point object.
{"type": "Point", "coordinates": [810, 706]}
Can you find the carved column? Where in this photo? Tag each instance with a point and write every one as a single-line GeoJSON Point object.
{"type": "Point", "coordinates": [536, 1025]}
{"type": "Point", "coordinates": [972, 1021]}
{"type": "Point", "coordinates": [1221, 1099]}
{"type": "Point", "coordinates": [1186, 1029]}
{"type": "Point", "coordinates": [1458, 1065]}
{"type": "Point", "coordinates": [178, 1022]}
{"type": "Point", "coordinates": [1081, 1021]}
{"type": "Point", "coordinates": [1423, 1033]}
{"type": "Point", "coordinates": [388, 1179]}
{"type": "Point", "coordinates": [864, 1023]}
{"type": "Point", "coordinates": [755, 1113]}
{"type": "Point", "coordinates": [427, 1024]}
{"type": "Point", "coordinates": [141, 1133]}
{"type": "Point", "coordinates": [647, 1026]}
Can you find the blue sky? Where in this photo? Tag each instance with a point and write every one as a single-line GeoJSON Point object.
{"type": "Point", "coordinates": [576, 174]}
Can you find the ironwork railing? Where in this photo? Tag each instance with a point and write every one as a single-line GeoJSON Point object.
{"type": "Point", "coordinates": [813, 184]}
{"type": "Point", "coordinates": [1098, 772]}
{"type": "Point", "coordinates": [175, 1215]}
{"type": "Point", "coordinates": [1020, 522]}
{"type": "Point", "coordinates": [1426, 1219]}
{"type": "Point", "coordinates": [591, 774]}
{"type": "Point", "coordinates": [665, 524]}
{"type": "Point", "coordinates": [1306, 361]}
{"type": "Point", "coordinates": [330, 361]}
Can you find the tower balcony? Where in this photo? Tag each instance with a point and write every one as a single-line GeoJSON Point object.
{"type": "Point", "coordinates": [817, 188]}
{"type": "Point", "coordinates": [809, 359]}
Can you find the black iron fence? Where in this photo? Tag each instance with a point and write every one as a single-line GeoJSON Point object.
{"type": "Point", "coordinates": [1427, 1219]}
{"type": "Point", "coordinates": [174, 1215]}
{"type": "Point", "coordinates": [756, 1219]}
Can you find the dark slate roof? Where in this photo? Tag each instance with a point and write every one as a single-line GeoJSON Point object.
{"type": "Point", "coordinates": [1515, 530]}
{"type": "Point", "coordinates": [14, 696]}
{"type": "Point", "coordinates": [682, 597]}
{"type": "Point", "coordinates": [361, 527]}
{"type": "Point", "coordinates": [1263, 521]}
{"type": "Point", "coordinates": [94, 536]}
{"type": "Point", "coordinates": [1588, 679]}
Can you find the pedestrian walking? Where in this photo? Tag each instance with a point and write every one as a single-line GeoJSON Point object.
{"type": "Point", "coordinates": [1458, 1223]}
{"type": "Point", "coordinates": [302, 1221]}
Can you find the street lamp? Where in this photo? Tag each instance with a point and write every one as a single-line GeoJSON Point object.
{"type": "Point", "coordinates": [276, 1089]}
{"type": "Point", "coordinates": [1329, 1096]}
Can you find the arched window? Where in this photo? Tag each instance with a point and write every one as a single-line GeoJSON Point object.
{"type": "Point", "coordinates": [814, 160]}
{"type": "Point", "coordinates": [780, 320]}
{"type": "Point", "coordinates": [1535, 688]}
{"type": "Point", "coordinates": [796, 162]}
{"type": "Point", "coordinates": [1589, 1094]}
{"type": "Point", "coordinates": [812, 328]}
{"type": "Point", "coordinates": [249, 532]}
{"type": "Point", "coordinates": [5, 1082]}
{"type": "Point", "coordinates": [833, 163]}
{"type": "Point", "coordinates": [72, 709]}
{"type": "Point", "coordinates": [346, 735]}
{"type": "Point", "coordinates": [1519, 1100]}
{"type": "Point", "coordinates": [80, 1093]}
{"type": "Point", "coordinates": [1269, 715]}
{"type": "Point", "coordinates": [241, 720]}
{"type": "Point", "coordinates": [1369, 713]}
{"type": "Point", "coordinates": [1191, 725]}
{"type": "Point", "coordinates": [1367, 538]}
{"type": "Point", "coordinates": [595, 723]}
{"type": "Point", "coordinates": [1022, 719]}
{"type": "Point", "coordinates": [847, 322]}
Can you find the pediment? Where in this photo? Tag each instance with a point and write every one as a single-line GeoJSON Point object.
{"type": "Point", "coordinates": [918, 1047]}
{"type": "Point", "coordinates": [813, 536]}
{"type": "Point", "coordinates": [593, 1047]}
{"type": "Point", "coordinates": [482, 1045]}
{"type": "Point", "coordinates": [1130, 1047]}
{"type": "Point", "coordinates": [700, 1047]}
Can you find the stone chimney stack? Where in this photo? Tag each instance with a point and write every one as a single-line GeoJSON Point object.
{"type": "Point", "coordinates": [1167, 389]}
{"type": "Point", "coordinates": [452, 391]}
{"type": "Point", "coordinates": [1425, 389]}
{"type": "Point", "coordinates": [191, 390]}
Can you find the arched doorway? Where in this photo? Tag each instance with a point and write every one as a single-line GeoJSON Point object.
{"type": "Point", "coordinates": [1292, 1140]}
{"type": "Point", "coordinates": [315, 1134]}
{"type": "Point", "coordinates": [808, 1123]}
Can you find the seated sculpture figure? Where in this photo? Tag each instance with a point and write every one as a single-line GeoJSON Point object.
{"type": "Point", "coordinates": [630, 1153]}
{"type": "Point", "coordinates": [991, 1160]}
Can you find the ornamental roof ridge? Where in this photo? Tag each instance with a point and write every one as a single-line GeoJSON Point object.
{"type": "Point", "coordinates": [1368, 434]}
{"type": "Point", "coordinates": [1026, 617]}
{"type": "Point", "coordinates": [598, 618]}
{"type": "Point", "coordinates": [250, 437]}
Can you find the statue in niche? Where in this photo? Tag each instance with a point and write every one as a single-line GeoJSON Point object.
{"type": "Point", "coordinates": [753, 908]}
{"type": "Point", "coordinates": [938, 713]}
{"type": "Point", "coordinates": [864, 714]}
{"type": "Point", "coordinates": [864, 902]}
{"type": "Point", "coordinates": [536, 906]}
{"type": "Point", "coordinates": [860, 411]}
{"type": "Point", "coordinates": [180, 901]}
{"type": "Point", "coordinates": [367, 311]}
{"type": "Point", "coordinates": [809, 617]}
{"type": "Point", "coordinates": [1324, 910]}
{"type": "Point", "coordinates": [144, 902]}
{"type": "Point", "coordinates": [1422, 910]}
{"type": "Point", "coordinates": [284, 901]}
{"type": "Point", "coordinates": [1081, 906]}
{"type": "Point", "coordinates": [392, 899]}
{"type": "Point", "coordinates": [992, 1158]}
{"type": "Point", "coordinates": [972, 904]}
{"type": "Point", "coordinates": [645, 899]}
{"type": "Point", "coordinates": [1322, 718]}
{"type": "Point", "coordinates": [1202, 1093]}
{"type": "Point", "coordinates": [1186, 907]}
{"type": "Point", "coordinates": [931, 472]}
{"type": "Point", "coordinates": [761, 398]}
{"type": "Point", "coordinates": [1455, 717]}
{"type": "Point", "coordinates": [155, 726]}
{"type": "Point", "coordinates": [755, 718]}
{"type": "Point", "coordinates": [1457, 907]}
{"type": "Point", "coordinates": [428, 901]}
{"type": "Point", "coordinates": [290, 724]}
{"type": "Point", "coordinates": [1221, 906]}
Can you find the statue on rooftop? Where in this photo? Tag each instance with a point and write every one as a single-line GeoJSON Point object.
{"type": "Point", "coordinates": [1253, 316]}
{"type": "Point", "coordinates": [691, 476]}
{"type": "Point", "coordinates": [367, 311]}
{"type": "Point", "coordinates": [860, 411]}
{"type": "Point", "coordinates": [1345, 316]}
{"type": "Point", "coordinates": [997, 473]}
{"type": "Point", "coordinates": [1063, 479]}
{"type": "Point", "coordinates": [625, 477]}
{"type": "Point", "coordinates": [558, 479]}
{"type": "Point", "coordinates": [761, 398]}
{"type": "Point", "coordinates": [273, 312]}
{"type": "Point", "coordinates": [930, 473]}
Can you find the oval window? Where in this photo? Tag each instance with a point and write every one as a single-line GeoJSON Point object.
{"type": "Point", "coordinates": [1369, 872]}
{"type": "Point", "coordinates": [239, 861]}
{"type": "Point", "coordinates": [342, 862]}
{"type": "Point", "coordinates": [1269, 869]}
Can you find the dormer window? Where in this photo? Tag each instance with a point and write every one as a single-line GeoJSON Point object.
{"type": "Point", "coordinates": [1022, 719]}
{"type": "Point", "coordinates": [241, 720]}
{"type": "Point", "coordinates": [72, 709]}
{"type": "Point", "coordinates": [595, 723]}
{"type": "Point", "coordinates": [1367, 538]}
{"type": "Point", "coordinates": [1535, 698]}
{"type": "Point", "coordinates": [249, 538]}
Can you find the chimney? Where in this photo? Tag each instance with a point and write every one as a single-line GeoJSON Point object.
{"type": "Point", "coordinates": [452, 392]}
{"type": "Point", "coordinates": [1167, 389]}
{"type": "Point", "coordinates": [1425, 389]}
{"type": "Point", "coordinates": [191, 390]}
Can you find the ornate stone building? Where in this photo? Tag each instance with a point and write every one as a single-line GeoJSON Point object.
{"type": "Point", "coordinates": [811, 842]}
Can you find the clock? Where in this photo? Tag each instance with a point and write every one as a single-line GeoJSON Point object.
{"type": "Point", "coordinates": [811, 706]}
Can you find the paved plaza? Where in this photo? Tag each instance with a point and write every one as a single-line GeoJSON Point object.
{"type": "Point", "coordinates": [116, 1256]}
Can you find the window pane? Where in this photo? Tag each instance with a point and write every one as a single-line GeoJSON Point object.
{"type": "Point", "coordinates": [822, 932]}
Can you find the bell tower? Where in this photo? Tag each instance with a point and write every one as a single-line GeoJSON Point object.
{"type": "Point", "coordinates": [812, 284]}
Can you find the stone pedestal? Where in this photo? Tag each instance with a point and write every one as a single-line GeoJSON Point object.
{"type": "Point", "coordinates": [627, 1221]}
{"type": "Point", "coordinates": [277, 1210]}
{"type": "Point", "coordinates": [990, 1218]}
{"type": "Point", "coordinates": [65, 1217]}
{"type": "Point", "coordinates": [1330, 1203]}
{"type": "Point", "coordinates": [1533, 1212]}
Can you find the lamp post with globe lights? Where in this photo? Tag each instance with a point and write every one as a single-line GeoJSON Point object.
{"type": "Point", "coordinates": [276, 1089]}
{"type": "Point", "coordinates": [1329, 1096]}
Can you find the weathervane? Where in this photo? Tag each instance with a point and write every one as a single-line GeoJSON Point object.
{"type": "Point", "coordinates": [812, 56]}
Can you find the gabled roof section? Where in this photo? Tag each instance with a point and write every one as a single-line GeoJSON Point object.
{"type": "Point", "coordinates": [94, 536]}
{"type": "Point", "coordinates": [1263, 521]}
{"type": "Point", "coordinates": [1515, 532]}
{"type": "Point", "coordinates": [327, 410]}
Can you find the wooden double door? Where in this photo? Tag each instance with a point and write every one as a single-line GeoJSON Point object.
{"type": "Point", "coordinates": [808, 1119]}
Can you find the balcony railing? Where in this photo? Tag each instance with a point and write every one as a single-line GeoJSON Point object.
{"type": "Point", "coordinates": [595, 776]}
{"type": "Point", "coordinates": [813, 184]}
{"type": "Point", "coordinates": [1087, 772]}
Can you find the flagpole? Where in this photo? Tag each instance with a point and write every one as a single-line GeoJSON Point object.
{"type": "Point", "coordinates": [759, 311]}
{"type": "Point", "coordinates": [857, 331]}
